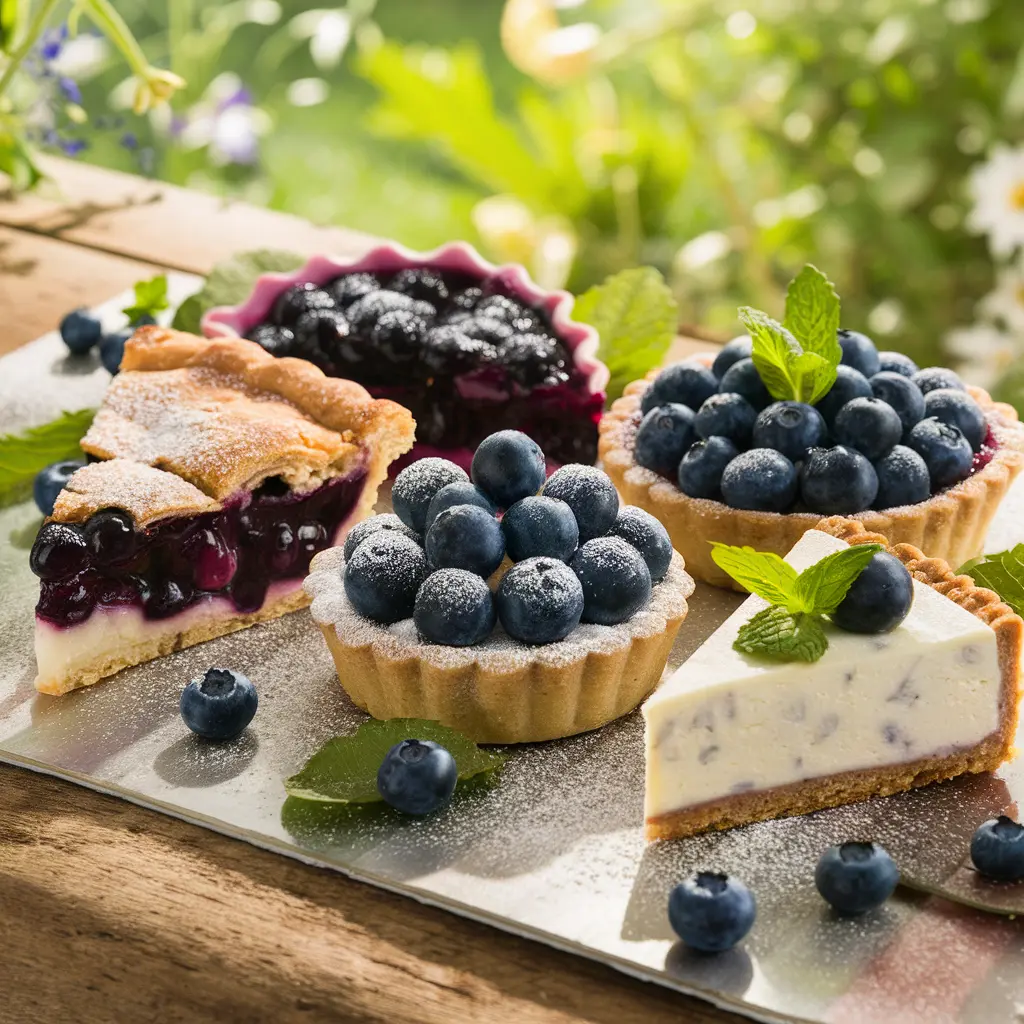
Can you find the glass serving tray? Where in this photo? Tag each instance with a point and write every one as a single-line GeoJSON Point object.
{"type": "Point", "coordinates": [552, 848]}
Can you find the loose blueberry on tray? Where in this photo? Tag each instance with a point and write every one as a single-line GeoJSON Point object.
{"type": "Point", "coordinates": [49, 482]}
{"type": "Point", "coordinates": [220, 705]}
{"type": "Point", "coordinates": [112, 349]}
{"type": "Point", "coordinates": [856, 877]}
{"type": "Point", "coordinates": [711, 912]}
{"type": "Point", "coordinates": [997, 849]}
{"type": "Point", "coordinates": [417, 777]}
{"type": "Point", "coordinates": [80, 331]}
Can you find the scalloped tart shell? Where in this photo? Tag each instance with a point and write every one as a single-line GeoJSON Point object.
{"type": "Point", "coordinates": [951, 525]}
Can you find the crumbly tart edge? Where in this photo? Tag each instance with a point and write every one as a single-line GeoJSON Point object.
{"type": "Point", "coordinates": [533, 703]}
{"type": "Point", "coordinates": [852, 786]}
{"type": "Point", "coordinates": [951, 525]}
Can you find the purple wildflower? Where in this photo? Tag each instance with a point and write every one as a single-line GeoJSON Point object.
{"type": "Point", "coordinates": [52, 43]}
{"type": "Point", "coordinates": [69, 87]}
{"type": "Point", "coordinates": [72, 147]}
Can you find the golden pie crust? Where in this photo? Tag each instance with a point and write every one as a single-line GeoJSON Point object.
{"type": "Point", "coordinates": [951, 525]}
{"type": "Point", "coordinates": [499, 691]}
{"type": "Point", "coordinates": [849, 787]}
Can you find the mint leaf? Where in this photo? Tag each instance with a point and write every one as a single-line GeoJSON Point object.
{"type": "Point", "coordinates": [188, 316]}
{"type": "Point", "coordinates": [636, 317]}
{"type": "Point", "coordinates": [762, 572]}
{"type": "Point", "coordinates": [774, 350]}
{"type": "Point", "coordinates": [815, 375]}
{"type": "Point", "coordinates": [781, 635]}
{"type": "Point", "coordinates": [820, 588]}
{"type": "Point", "coordinates": [150, 298]}
{"type": "Point", "coordinates": [1002, 572]}
{"type": "Point", "coordinates": [23, 455]}
{"type": "Point", "coordinates": [344, 769]}
{"type": "Point", "coordinates": [812, 314]}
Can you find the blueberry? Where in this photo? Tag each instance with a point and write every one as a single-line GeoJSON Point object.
{"type": "Point", "coordinates": [112, 349]}
{"type": "Point", "coordinates": [462, 492]}
{"type": "Point", "coordinates": [869, 425]}
{"type": "Point", "coordinates": [902, 478]}
{"type": "Point", "coordinates": [383, 576]}
{"type": "Point", "coordinates": [447, 350]}
{"type": "Point", "coordinates": [997, 849]}
{"type": "Point", "coordinates": [837, 481]}
{"type": "Point", "coordinates": [711, 912]}
{"type": "Point", "coordinates": [945, 450]}
{"type": "Point", "coordinates": [896, 362]}
{"type": "Point", "coordinates": [726, 415]}
{"type": "Point", "coordinates": [398, 335]}
{"type": "Point", "coordinates": [468, 298]}
{"type": "Point", "coordinates": [790, 428]}
{"type": "Point", "coordinates": [486, 329]}
{"type": "Point", "coordinates": [701, 468]}
{"type": "Point", "coordinates": [278, 341]}
{"type": "Point", "coordinates": [934, 377]}
{"type": "Point", "coordinates": [540, 600]}
{"type": "Point", "coordinates": [364, 313]}
{"type": "Point", "coordinates": [416, 485]}
{"type": "Point", "coordinates": [349, 287]}
{"type": "Point", "coordinates": [417, 777]}
{"type": "Point", "coordinates": [299, 299]}
{"type": "Point", "coordinates": [319, 335]}
{"type": "Point", "coordinates": [421, 283]}
{"type": "Point", "coordinates": [959, 410]}
{"type": "Point", "coordinates": [508, 466]}
{"type": "Point", "coordinates": [530, 358]}
{"type": "Point", "coordinates": [49, 482]}
{"type": "Point", "coordinates": [859, 352]}
{"type": "Point", "coordinates": [220, 705]}
{"type": "Point", "coordinates": [615, 578]}
{"type": "Point", "coordinates": [639, 528]}
{"type": "Point", "coordinates": [109, 535]}
{"type": "Point", "coordinates": [689, 384]}
{"type": "Point", "coordinates": [856, 877]}
{"type": "Point", "coordinates": [663, 438]}
{"type": "Point", "coordinates": [743, 379]}
{"type": "Point", "coordinates": [850, 384]}
{"type": "Point", "coordinates": [591, 496]}
{"type": "Point", "coordinates": [80, 331]}
{"type": "Point", "coordinates": [737, 349]}
{"type": "Point", "coordinates": [761, 479]}
{"type": "Point", "coordinates": [368, 527]}
{"type": "Point", "coordinates": [59, 550]}
{"type": "Point", "coordinates": [454, 607]}
{"type": "Point", "coordinates": [539, 525]}
{"type": "Point", "coordinates": [879, 598]}
{"type": "Point", "coordinates": [507, 310]}
{"type": "Point", "coordinates": [902, 394]}
{"type": "Point", "coordinates": [465, 537]}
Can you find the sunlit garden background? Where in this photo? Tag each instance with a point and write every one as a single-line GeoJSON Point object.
{"type": "Point", "coordinates": [726, 143]}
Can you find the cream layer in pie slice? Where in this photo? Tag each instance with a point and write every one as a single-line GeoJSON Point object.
{"type": "Point", "coordinates": [732, 739]}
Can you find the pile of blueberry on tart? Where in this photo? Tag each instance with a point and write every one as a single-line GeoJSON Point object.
{"type": "Point", "coordinates": [508, 607]}
{"type": "Point", "coordinates": [798, 421]}
{"type": "Point", "coordinates": [466, 346]}
{"type": "Point", "coordinates": [216, 473]}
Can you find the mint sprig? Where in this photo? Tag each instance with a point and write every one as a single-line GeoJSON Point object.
{"type": "Point", "coordinates": [23, 455]}
{"type": "Point", "coordinates": [1003, 573]}
{"type": "Point", "coordinates": [150, 298]}
{"type": "Point", "coordinates": [790, 629]}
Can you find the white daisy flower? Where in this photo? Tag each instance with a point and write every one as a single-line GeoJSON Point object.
{"type": "Point", "coordinates": [997, 188]}
{"type": "Point", "coordinates": [983, 352]}
{"type": "Point", "coordinates": [1005, 303]}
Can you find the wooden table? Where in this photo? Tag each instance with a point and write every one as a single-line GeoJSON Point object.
{"type": "Point", "coordinates": [109, 912]}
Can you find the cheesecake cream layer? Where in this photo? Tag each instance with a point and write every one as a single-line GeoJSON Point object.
{"type": "Point", "coordinates": [726, 724]}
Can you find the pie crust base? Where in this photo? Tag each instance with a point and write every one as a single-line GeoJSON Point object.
{"type": "Point", "coordinates": [951, 525]}
{"type": "Point", "coordinates": [851, 786]}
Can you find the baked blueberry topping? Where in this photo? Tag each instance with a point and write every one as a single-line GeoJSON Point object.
{"type": "Point", "coordinates": [701, 468]}
{"type": "Point", "coordinates": [278, 341]}
{"type": "Point", "coordinates": [689, 384]}
{"type": "Point", "coordinates": [220, 705]}
{"type": "Point", "coordinates": [416, 485]}
{"type": "Point", "coordinates": [417, 777]}
{"type": "Point", "coordinates": [837, 481]}
{"type": "Point", "coordinates": [59, 550]}
{"type": "Point", "coordinates": [997, 849]}
{"type": "Point", "coordinates": [368, 527]}
{"type": "Point", "coordinates": [383, 576]}
{"type": "Point", "coordinates": [487, 329]}
{"type": "Point", "coordinates": [711, 912]}
{"type": "Point", "coordinates": [508, 466]}
{"type": "Point", "coordinates": [790, 428]}
{"type": "Point", "coordinates": [465, 537]}
{"type": "Point", "coordinates": [902, 394]}
{"type": "Point", "coordinates": [868, 425]}
{"type": "Point", "coordinates": [539, 525]}
{"type": "Point", "coordinates": [859, 352]}
{"type": "Point", "coordinates": [539, 600]}
{"type": "Point", "coordinates": [421, 283]}
{"type": "Point", "coordinates": [726, 415]}
{"type": "Point", "coordinates": [214, 562]}
{"type": "Point", "coordinates": [945, 450]}
{"type": "Point", "coordinates": [398, 335]}
{"type": "Point", "coordinates": [461, 492]}
{"type": "Point", "coordinates": [760, 479]}
{"type": "Point", "coordinates": [664, 436]}
{"type": "Point", "coordinates": [933, 377]}
{"type": "Point", "coordinates": [49, 482]}
{"type": "Point", "coordinates": [743, 379]}
{"type": "Point", "coordinates": [364, 313]}
{"type": "Point", "coordinates": [737, 349]}
{"type": "Point", "coordinates": [110, 536]}
{"type": "Point", "coordinates": [509, 311]}
{"type": "Point", "coordinates": [957, 408]}
{"type": "Point", "coordinates": [850, 384]}
{"type": "Point", "coordinates": [299, 299]}
{"type": "Point", "coordinates": [639, 528]}
{"type": "Point", "coordinates": [167, 597]}
{"type": "Point", "coordinates": [111, 348]}
{"type": "Point", "coordinates": [454, 607]}
{"type": "Point", "coordinates": [615, 579]}
{"type": "Point", "coordinates": [80, 331]}
{"type": "Point", "coordinates": [468, 298]}
{"type": "Point", "coordinates": [591, 496]}
{"type": "Point", "coordinates": [449, 350]}
{"type": "Point", "coordinates": [349, 287]}
{"type": "Point", "coordinates": [856, 877]}
{"type": "Point", "coordinates": [896, 362]}
{"type": "Point", "coordinates": [902, 478]}
{"type": "Point", "coordinates": [879, 599]}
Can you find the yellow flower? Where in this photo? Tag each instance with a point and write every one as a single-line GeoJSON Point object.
{"type": "Point", "coordinates": [155, 86]}
{"type": "Point", "coordinates": [539, 46]}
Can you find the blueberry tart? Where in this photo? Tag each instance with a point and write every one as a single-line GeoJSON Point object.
{"type": "Point", "coordinates": [554, 619]}
{"type": "Point", "coordinates": [468, 347]}
{"type": "Point", "coordinates": [216, 473]}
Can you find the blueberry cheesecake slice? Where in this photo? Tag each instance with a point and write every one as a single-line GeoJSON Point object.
{"type": "Point", "coordinates": [912, 675]}
{"type": "Point", "coordinates": [468, 347]}
{"type": "Point", "coordinates": [553, 619]}
{"type": "Point", "coordinates": [216, 473]}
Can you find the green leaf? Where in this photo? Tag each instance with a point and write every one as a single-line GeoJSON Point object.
{"type": "Point", "coordinates": [188, 316]}
{"type": "Point", "coordinates": [14, 16]}
{"type": "Point", "coordinates": [150, 298]}
{"type": "Point", "coordinates": [814, 375]}
{"type": "Point", "coordinates": [344, 769]}
{"type": "Point", "coordinates": [762, 572]}
{"type": "Point", "coordinates": [821, 587]}
{"type": "Point", "coordinates": [774, 349]}
{"type": "Point", "coordinates": [781, 635]}
{"type": "Point", "coordinates": [636, 317]}
{"type": "Point", "coordinates": [1002, 572]}
{"type": "Point", "coordinates": [18, 162]}
{"type": "Point", "coordinates": [812, 314]}
{"type": "Point", "coordinates": [23, 455]}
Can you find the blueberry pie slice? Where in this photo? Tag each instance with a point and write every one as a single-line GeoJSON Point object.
{"type": "Point", "coordinates": [468, 347]}
{"type": "Point", "coordinates": [217, 473]}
